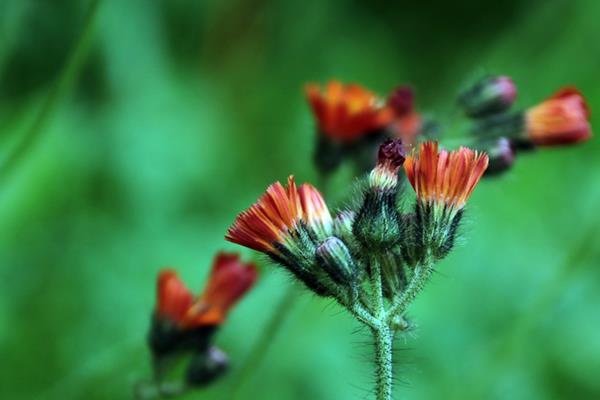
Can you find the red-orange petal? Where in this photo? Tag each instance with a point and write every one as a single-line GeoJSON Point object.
{"type": "Point", "coordinates": [229, 280]}
{"type": "Point", "coordinates": [347, 112]}
{"type": "Point", "coordinates": [445, 177]}
{"type": "Point", "coordinates": [561, 119]}
{"type": "Point", "coordinates": [174, 298]}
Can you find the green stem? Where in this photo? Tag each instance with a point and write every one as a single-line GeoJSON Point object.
{"type": "Point", "coordinates": [417, 283]}
{"type": "Point", "coordinates": [66, 77]}
{"type": "Point", "coordinates": [377, 289]}
{"type": "Point", "coordinates": [261, 347]}
{"type": "Point", "coordinates": [383, 362]}
{"type": "Point", "coordinates": [363, 315]}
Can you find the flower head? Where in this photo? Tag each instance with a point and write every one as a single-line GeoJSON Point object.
{"type": "Point", "coordinates": [442, 177]}
{"type": "Point", "coordinates": [273, 220]}
{"type": "Point", "coordinates": [229, 280]}
{"type": "Point", "coordinates": [345, 113]}
{"type": "Point", "coordinates": [561, 119]}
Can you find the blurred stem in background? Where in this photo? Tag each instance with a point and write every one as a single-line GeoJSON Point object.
{"type": "Point", "coordinates": [68, 74]}
{"type": "Point", "coordinates": [267, 336]}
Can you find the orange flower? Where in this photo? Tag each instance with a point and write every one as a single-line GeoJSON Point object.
{"type": "Point", "coordinates": [562, 119]}
{"type": "Point", "coordinates": [229, 280]}
{"type": "Point", "coordinates": [272, 221]}
{"type": "Point", "coordinates": [443, 177]}
{"type": "Point", "coordinates": [345, 113]}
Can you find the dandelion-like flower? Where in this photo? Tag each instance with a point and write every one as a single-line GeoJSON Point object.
{"type": "Point", "coordinates": [229, 280]}
{"type": "Point", "coordinates": [273, 223]}
{"type": "Point", "coordinates": [445, 178]}
{"type": "Point", "coordinates": [287, 224]}
{"type": "Point", "coordinates": [345, 113]}
{"type": "Point", "coordinates": [185, 324]}
{"type": "Point", "coordinates": [443, 182]}
{"type": "Point", "coordinates": [561, 119]}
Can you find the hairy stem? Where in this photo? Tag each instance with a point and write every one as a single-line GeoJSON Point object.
{"type": "Point", "coordinates": [383, 362]}
{"type": "Point", "coordinates": [420, 276]}
{"type": "Point", "coordinates": [377, 289]}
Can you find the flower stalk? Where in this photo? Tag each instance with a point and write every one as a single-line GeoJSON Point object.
{"type": "Point", "coordinates": [373, 260]}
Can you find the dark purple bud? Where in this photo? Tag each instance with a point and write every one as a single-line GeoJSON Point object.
{"type": "Point", "coordinates": [501, 155]}
{"type": "Point", "coordinates": [392, 151]}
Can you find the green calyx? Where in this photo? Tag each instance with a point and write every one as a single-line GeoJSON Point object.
{"type": "Point", "coordinates": [335, 258]}
{"type": "Point", "coordinates": [378, 224]}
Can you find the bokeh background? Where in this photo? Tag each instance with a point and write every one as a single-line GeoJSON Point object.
{"type": "Point", "coordinates": [177, 114]}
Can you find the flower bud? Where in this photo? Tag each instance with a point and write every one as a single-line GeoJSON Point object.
{"type": "Point", "coordinates": [205, 367]}
{"type": "Point", "coordinates": [562, 119]}
{"type": "Point", "coordinates": [390, 158]}
{"type": "Point", "coordinates": [377, 224]}
{"type": "Point", "coordinates": [502, 156]}
{"type": "Point", "coordinates": [335, 258]}
{"type": "Point", "coordinates": [342, 225]}
{"type": "Point", "coordinates": [490, 95]}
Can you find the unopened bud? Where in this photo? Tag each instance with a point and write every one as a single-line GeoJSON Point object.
{"type": "Point", "coordinates": [390, 158]}
{"type": "Point", "coordinates": [342, 224]}
{"type": "Point", "coordinates": [206, 367]}
{"type": "Point", "coordinates": [501, 155]}
{"type": "Point", "coordinates": [490, 95]}
{"type": "Point", "coordinates": [392, 151]}
{"type": "Point", "coordinates": [377, 225]}
{"type": "Point", "coordinates": [335, 258]}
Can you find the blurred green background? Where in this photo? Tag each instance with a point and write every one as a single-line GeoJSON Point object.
{"type": "Point", "coordinates": [182, 112]}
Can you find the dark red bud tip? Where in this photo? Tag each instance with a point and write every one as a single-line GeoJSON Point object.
{"type": "Point", "coordinates": [401, 100]}
{"type": "Point", "coordinates": [393, 152]}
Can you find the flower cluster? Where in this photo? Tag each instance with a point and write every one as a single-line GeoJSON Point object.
{"type": "Point", "coordinates": [337, 256]}
{"type": "Point", "coordinates": [562, 119]}
{"type": "Point", "coordinates": [183, 323]}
